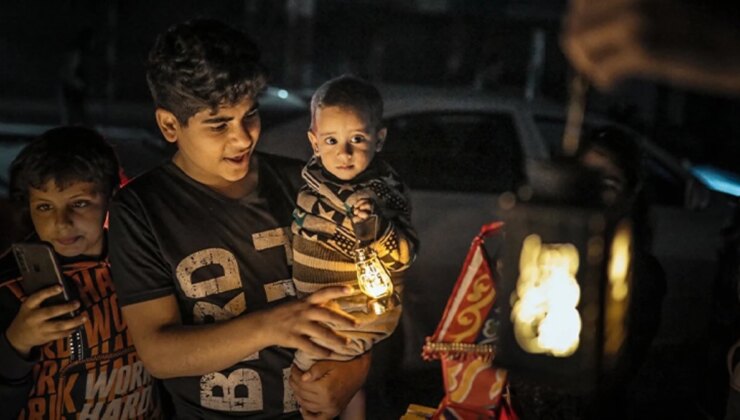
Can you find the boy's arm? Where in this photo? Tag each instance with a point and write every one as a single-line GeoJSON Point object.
{"type": "Point", "coordinates": [169, 349]}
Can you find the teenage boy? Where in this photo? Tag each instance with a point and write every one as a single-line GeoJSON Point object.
{"type": "Point", "coordinates": [201, 249]}
{"type": "Point", "coordinates": [64, 181]}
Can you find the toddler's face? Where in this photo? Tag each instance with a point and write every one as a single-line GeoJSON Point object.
{"type": "Point", "coordinates": [344, 140]}
{"type": "Point", "coordinates": [70, 219]}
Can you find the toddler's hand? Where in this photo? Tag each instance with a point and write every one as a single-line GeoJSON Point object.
{"type": "Point", "coordinates": [362, 209]}
{"type": "Point", "coordinates": [35, 325]}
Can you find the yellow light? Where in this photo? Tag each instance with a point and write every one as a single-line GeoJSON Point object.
{"type": "Point", "coordinates": [373, 279]}
{"type": "Point", "coordinates": [544, 314]}
{"type": "Point", "coordinates": [619, 262]}
{"type": "Point", "coordinates": [617, 298]}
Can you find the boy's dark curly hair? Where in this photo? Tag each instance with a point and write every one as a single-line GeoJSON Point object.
{"type": "Point", "coordinates": [202, 64]}
{"type": "Point", "coordinates": [352, 92]}
{"type": "Point", "coordinates": [65, 155]}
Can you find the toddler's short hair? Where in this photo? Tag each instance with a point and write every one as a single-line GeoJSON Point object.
{"type": "Point", "coordinates": [352, 92]}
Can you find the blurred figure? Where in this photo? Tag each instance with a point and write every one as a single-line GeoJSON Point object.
{"type": "Point", "coordinates": [688, 43]}
{"type": "Point", "coordinates": [616, 159]}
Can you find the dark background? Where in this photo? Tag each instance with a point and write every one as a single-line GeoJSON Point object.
{"type": "Point", "coordinates": [60, 57]}
{"type": "Point", "coordinates": [98, 49]}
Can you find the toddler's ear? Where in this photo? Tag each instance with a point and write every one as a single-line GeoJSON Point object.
{"type": "Point", "coordinates": [381, 139]}
{"type": "Point", "coordinates": [314, 142]}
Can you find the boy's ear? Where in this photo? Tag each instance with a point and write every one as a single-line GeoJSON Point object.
{"type": "Point", "coordinates": [381, 139]}
{"type": "Point", "coordinates": [168, 124]}
{"type": "Point", "coordinates": [314, 142]}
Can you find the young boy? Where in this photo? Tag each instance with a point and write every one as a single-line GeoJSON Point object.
{"type": "Point", "coordinates": [64, 180]}
{"type": "Point", "coordinates": [351, 199]}
{"type": "Point", "coordinates": [201, 253]}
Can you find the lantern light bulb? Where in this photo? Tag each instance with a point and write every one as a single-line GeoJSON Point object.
{"type": "Point", "coordinates": [373, 279]}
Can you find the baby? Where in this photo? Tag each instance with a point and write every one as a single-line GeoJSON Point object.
{"type": "Point", "coordinates": [351, 200]}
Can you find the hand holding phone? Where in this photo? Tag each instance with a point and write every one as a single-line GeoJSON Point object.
{"type": "Point", "coordinates": [47, 314]}
{"type": "Point", "coordinates": [35, 325]}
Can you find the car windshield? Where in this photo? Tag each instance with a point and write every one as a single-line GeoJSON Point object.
{"type": "Point", "coordinates": [477, 152]}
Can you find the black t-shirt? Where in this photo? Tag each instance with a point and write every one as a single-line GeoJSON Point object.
{"type": "Point", "coordinates": [220, 257]}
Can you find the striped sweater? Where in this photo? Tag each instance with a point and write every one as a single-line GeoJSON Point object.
{"type": "Point", "coordinates": [324, 239]}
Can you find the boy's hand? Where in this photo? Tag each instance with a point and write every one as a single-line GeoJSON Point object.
{"type": "Point", "coordinates": [325, 390]}
{"type": "Point", "coordinates": [301, 324]}
{"type": "Point", "coordinates": [35, 325]}
{"type": "Point", "coordinates": [362, 209]}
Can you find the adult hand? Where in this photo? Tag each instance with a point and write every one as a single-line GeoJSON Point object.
{"type": "Point", "coordinates": [327, 387]}
{"type": "Point", "coordinates": [303, 324]}
{"type": "Point", "coordinates": [35, 325]}
{"type": "Point", "coordinates": [692, 44]}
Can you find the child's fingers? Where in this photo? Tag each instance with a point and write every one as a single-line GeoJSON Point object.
{"type": "Point", "coordinates": [363, 205]}
{"type": "Point", "coordinates": [69, 324]}
{"type": "Point", "coordinates": [59, 310]}
{"type": "Point", "coordinates": [34, 301]}
{"type": "Point", "coordinates": [362, 213]}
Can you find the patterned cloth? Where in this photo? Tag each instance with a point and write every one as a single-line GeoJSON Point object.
{"type": "Point", "coordinates": [324, 238]}
{"type": "Point", "coordinates": [474, 388]}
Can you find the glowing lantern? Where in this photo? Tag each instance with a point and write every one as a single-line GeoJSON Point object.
{"type": "Point", "coordinates": [374, 280]}
{"type": "Point", "coordinates": [564, 289]}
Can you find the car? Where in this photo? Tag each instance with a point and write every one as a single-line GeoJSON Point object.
{"type": "Point", "coordinates": [459, 149]}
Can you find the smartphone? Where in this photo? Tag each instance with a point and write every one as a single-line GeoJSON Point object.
{"type": "Point", "coordinates": [39, 269]}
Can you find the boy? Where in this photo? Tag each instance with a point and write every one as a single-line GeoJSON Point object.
{"type": "Point", "coordinates": [351, 199]}
{"type": "Point", "coordinates": [64, 180]}
{"type": "Point", "coordinates": [201, 250]}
